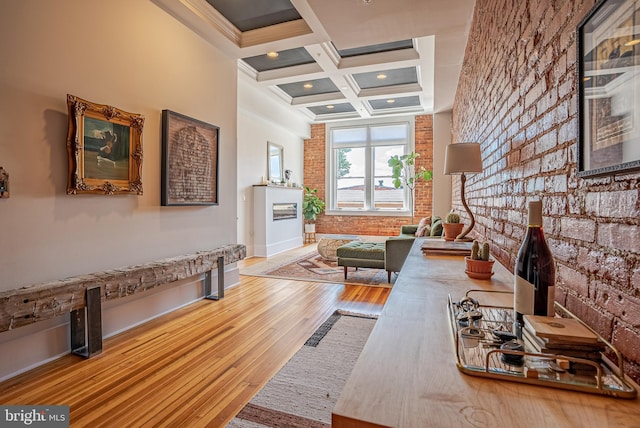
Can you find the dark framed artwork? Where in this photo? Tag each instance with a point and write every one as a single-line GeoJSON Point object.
{"type": "Point", "coordinates": [104, 145]}
{"type": "Point", "coordinates": [608, 53]}
{"type": "Point", "coordinates": [189, 161]}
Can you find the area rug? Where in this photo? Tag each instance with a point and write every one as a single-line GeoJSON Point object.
{"type": "Point", "coordinates": [304, 391]}
{"type": "Point", "coordinates": [312, 267]}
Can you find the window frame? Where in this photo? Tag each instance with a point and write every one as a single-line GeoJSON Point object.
{"type": "Point", "coordinates": [331, 167]}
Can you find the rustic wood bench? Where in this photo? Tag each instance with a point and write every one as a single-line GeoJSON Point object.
{"type": "Point", "coordinates": [82, 295]}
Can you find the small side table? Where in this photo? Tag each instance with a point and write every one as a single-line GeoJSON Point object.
{"type": "Point", "coordinates": [309, 237]}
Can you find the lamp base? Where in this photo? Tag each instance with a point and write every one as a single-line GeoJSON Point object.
{"type": "Point", "coordinates": [464, 239]}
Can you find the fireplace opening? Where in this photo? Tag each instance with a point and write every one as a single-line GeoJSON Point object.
{"type": "Point", "coordinates": [286, 211]}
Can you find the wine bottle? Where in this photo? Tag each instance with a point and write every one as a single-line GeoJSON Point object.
{"type": "Point", "coordinates": [534, 275]}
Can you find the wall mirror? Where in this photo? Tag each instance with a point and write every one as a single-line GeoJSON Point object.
{"type": "Point", "coordinates": [275, 162]}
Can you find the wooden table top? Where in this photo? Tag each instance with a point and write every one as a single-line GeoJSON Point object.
{"type": "Point", "coordinates": [406, 375]}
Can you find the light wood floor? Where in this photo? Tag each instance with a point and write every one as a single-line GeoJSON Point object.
{"type": "Point", "coordinates": [197, 366]}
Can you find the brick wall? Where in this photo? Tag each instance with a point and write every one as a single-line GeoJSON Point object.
{"type": "Point", "coordinates": [517, 96]}
{"type": "Point", "coordinates": [315, 177]}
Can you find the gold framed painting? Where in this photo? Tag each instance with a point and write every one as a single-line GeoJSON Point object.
{"type": "Point", "coordinates": [104, 145]}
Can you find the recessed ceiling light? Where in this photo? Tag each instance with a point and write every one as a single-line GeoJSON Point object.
{"type": "Point", "coordinates": [307, 86]}
{"type": "Point", "coordinates": [381, 76]}
{"type": "Point", "coordinates": [632, 42]}
{"type": "Point", "coordinates": [273, 54]}
{"type": "Point", "coordinates": [391, 101]}
{"type": "Point", "coordinates": [330, 106]}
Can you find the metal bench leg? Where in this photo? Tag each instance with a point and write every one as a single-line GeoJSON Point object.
{"type": "Point", "coordinates": [86, 326]}
{"type": "Point", "coordinates": [207, 282]}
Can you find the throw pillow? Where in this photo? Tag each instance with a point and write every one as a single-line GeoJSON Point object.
{"type": "Point", "coordinates": [436, 228]}
{"type": "Point", "coordinates": [423, 227]}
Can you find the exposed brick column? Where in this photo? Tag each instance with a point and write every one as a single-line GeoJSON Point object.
{"type": "Point", "coordinates": [314, 160]}
{"type": "Point", "coordinates": [423, 204]}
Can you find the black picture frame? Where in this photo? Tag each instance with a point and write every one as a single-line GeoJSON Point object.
{"type": "Point", "coordinates": [190, 161]}
{"type": "Point", "coordinates": [608, 68]}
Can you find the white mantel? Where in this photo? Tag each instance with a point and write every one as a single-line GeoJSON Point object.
{"type": "Point", "coordinates": [275, 236]}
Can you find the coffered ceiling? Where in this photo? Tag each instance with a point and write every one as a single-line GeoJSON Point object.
{"type": "Point", "coordinates": [340, 59]}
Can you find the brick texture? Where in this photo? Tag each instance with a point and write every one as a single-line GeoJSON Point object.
{"type": "Point", "coordinates": [315, 177]}
{"type": "Point", "coordinates": [517, 97]}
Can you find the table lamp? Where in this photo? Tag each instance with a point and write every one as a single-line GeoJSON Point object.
{"type": "Point", "coordinates": [459, 159]}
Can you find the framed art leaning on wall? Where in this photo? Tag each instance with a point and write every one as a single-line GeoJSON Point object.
{"type": "Point", "coordinates": [608, 44]}
{"type": "Point", "coordinates": [104, 145]}
{"type": "Point", "coordinates": [189, 161]}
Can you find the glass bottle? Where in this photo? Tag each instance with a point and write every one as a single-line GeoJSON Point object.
{"type": "Point", "coordinates": [534, 273]}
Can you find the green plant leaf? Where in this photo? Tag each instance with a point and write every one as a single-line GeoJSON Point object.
{"type": "Point", "coordinates": [312, 205]}
{"type": "Point", "coordinates": [402, 171]}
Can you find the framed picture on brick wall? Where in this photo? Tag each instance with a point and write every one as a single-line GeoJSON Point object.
{"type": "Point", "coordinates": [608, 44]}
{"type": "Point", "coordinates": [189, 161]}
{"type": "Point", "coordinates": [104, 145]}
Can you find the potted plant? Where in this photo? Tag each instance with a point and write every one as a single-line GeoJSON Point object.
{"type": "Point", "coordinates": [403, 173]}
{"type": "Point", "coordinates": [452, 226]}
{"type": "Point", "coordinates": [312, 206]}
{"type": "Point", "coordinates": [478, 264]}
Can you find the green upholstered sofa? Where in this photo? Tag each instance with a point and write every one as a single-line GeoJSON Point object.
{"type": "Point", "coordinates": [389, 255]}
{"type": "Point", "coordinates": [435, 228]}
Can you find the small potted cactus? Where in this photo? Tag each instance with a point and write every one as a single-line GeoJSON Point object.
{"type": "Point", "coordinates": [479, 264]}
{"type": "Point", "coordinates": [452, 226]}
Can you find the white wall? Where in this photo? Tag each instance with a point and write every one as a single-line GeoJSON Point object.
{"type": "Point", "coordinates": [441, 182]}
{"type": "Point", "coordinates": [132, 55]}
{"type": "Point", "coordinates": [262, 119]}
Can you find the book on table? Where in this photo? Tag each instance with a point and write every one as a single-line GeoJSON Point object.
{"type": "Point", "coordinates": [561, 336]}
{"type": "Point", "coordinates": [560, 330]}
{"type": "Point", "coordinates": [446, 248]}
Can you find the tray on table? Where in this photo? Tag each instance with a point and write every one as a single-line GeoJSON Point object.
{"type": "Point", "coordinates": [482, 357]}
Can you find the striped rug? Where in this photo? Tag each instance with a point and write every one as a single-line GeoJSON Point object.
{"type": "Point", "coordinates": [304, 391]}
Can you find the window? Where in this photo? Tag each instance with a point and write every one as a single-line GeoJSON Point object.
{"type": "Point", "coordinates": [359, 175]}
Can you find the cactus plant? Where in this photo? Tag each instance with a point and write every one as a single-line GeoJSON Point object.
{"type": "Point", "coordinates": [484, 253]}
{"type": "Point", "coordinates": [480, 252]}
{"type": "Point", "coordinates": [452, 226]}
{"type": "Point", "coordinates": [479, 265]}
{"type": "Point", "coordinates": [475, 250]}
{"type": "Point", "coordinates": [453, 217]}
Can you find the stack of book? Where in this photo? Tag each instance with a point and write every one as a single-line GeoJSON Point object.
{"type": "Point", "coordinates": [440, 247]}
{"type": "Point", "coordinates": [562, 336]}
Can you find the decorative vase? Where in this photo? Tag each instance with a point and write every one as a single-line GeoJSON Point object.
{"type": "Point", "coordinates": [451, 230]}
{"type": "Point", "coordinates": [478, 269]}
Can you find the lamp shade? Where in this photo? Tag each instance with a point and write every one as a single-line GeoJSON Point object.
{"type": "Point", "coordinates": [462, 158]}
